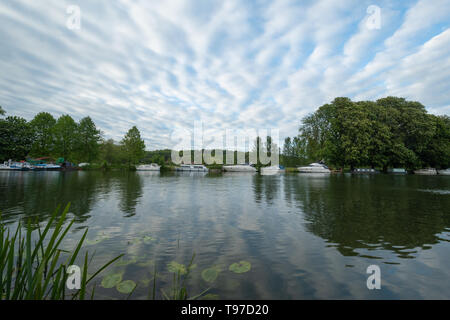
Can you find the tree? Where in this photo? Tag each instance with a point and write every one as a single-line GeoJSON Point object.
{"type": "Point", "coordinates": [16, 138]}
{"type": "Point", "coordinates": [43, 125]}
{"type": "Point", "coordinates": [88, 139]}
{"type": "Point", "coordinates": [437, 152]}
{"type": "Point", "coordinates": [2, 112]}
{"type": "Point", "coordinates": [65, 131]}
{"type": "Point", "coordinates": [133, 146]}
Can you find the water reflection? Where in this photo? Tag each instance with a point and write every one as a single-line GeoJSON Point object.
{"type": "Point", "coordinates": [371, 212]}
{"type": "Point", "coordinates": [130, 189]}
{"type": "Point", "coordinates": [306, 236]}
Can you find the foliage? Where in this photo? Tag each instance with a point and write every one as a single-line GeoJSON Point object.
{"type": "Point", "coordinates": [88, 140]}
{"type": "Point", "coordinates": [16, 138]}
{"type": "Point", "coordinates": [133, 146]}
{"type": "Point", "coordinates": [388, 132]}
{"type": "Point", "coordinates": [32, 270]}
{"type": "Point", "coordinates": [65, 131]}
{"type": "Point", "coordinates": [42, 125]}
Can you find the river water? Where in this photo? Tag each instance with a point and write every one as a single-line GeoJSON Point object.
{"type": "Point", "coordinates": [304, 236]}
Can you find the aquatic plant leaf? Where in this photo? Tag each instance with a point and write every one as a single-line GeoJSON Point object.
{"type": "Point", "coordinates": [210, 274]}
{"type": "Point", "coordinates": [126, 286]}
{"type": "Point", "coordinates": [111, 280]}
{"type": "Point", "coordinates": [148, 239]}
{"type": "Point", "coordinates": [240, 267]}
{"type": "Point", "coordinates": [124, 262]}
{"type": "Point", "coordinates": [175, 267]}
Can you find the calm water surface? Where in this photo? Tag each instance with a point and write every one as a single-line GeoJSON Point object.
{"type": "Point", "coordinates": [306, 237]}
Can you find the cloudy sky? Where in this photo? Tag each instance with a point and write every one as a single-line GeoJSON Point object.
{"type": "Point", "coordinates": [161, 65]}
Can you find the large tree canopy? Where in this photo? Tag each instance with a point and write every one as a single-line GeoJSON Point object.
{"type": "Point", "coordinates": [388, 132]}
{"type": "Point", "coordinates": [43, 126]}
{"type": "Point", "coordinates": [16, 138]}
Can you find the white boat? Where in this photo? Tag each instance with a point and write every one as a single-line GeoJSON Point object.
{"type": "Point", "coordinates": [426, 172]}
{"type": "Point", "coordinates": [271, 170]}
{"type": "Point", "coordinates": [397, 171]}
{"type": "Point", "coordinates": [365, 171]}
{"type": "Point", "coordinates": [192, 167]}
{"type": "Point", "coordinates": [46, 166]}
{"type": "Point", "coordinates": [314, 168]}
{"type": "Point", "coordinates": [148, 167]}
{"type": "Point", "coordinates": [15, 166]}
{"type": "Point", "coordinates": [239, 168]}
{"type": "Point", "coordinates": [445, 172]}
{"type": "Point", "coordinates": [83, 164]}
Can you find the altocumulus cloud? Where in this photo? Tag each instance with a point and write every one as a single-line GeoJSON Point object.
{"type": "Point", "coordinates": [162, 65]}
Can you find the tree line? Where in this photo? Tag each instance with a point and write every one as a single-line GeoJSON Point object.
{"type": "Point", "coordinates": [389, 132]}
{"type": "Point", "coordinates": [77, 142]}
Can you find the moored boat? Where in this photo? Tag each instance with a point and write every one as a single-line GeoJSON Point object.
{"type": "Point", "coordinates": [239, 168]}
{"type": "Point", "coordinates": [46, 166]}
{"type": "Point", "coordinates": [148, 167]}
{"type": "Point", "coordinates": [365, 171]}
{"type": "Point", "coordinates": [314, 168]}
{"type": "Point", "coordinates": [271, 170]}
{"type": "Point", "coordinates": [397, 171]}
{"type": "Point", "coordinates": [192, 167]}
{"type": "Point", "coordinates": [444, 172]}
{"type": "Point", "coordinates": [426, 172]}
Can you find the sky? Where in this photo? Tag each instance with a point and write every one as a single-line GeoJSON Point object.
{"type": "Point", "coordinates": [229, 64]}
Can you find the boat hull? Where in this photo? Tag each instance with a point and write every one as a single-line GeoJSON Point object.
{"type": "Point", "coordinates": [426, 172]}
{"type": "Point", "coordinates": [238, 168]}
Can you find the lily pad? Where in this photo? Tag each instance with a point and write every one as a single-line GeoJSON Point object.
{"type": "Point", "coordinates": [124, 262]}
{"type": "Point", "coordinates": [101, 237]}
{"type": "Point", "coordinates": [111, 280]}
{"type": "Point", "coordinates": [211, 274]}
{"type": "Point", "coordinates": [126, 286]}
{"type": "Point", "coordinates": [175, 267]}
{"type": "Point", "coordinates": [240, 267]}
{"type": "Point", "coordinates": [148, 239]}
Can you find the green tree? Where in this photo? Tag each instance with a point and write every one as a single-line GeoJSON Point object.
{"type": "Point", "coordinates": [437, 152]}
{"type": "Point", "coordinates": [43, 124]}
{"type": "Point", "coordinates": [65, 131]}
{"type": "Point", "coordinates": [16, 138]}
{"type": "Point", "coordinates": [133, 146]}
{"type": "Point", "coordinates": [88, 139]}
{"type": "Point", "coordinates": [2, 112]}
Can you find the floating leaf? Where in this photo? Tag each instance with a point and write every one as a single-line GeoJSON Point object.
{"type": "Point", "coordinates": [240, 267]}
{"type": "Point", "coordinates": [126, 286]}
{"type": "Point", "coordinates": [124, 262]}
{"type": "Point", "coordinates": [211, 274]}
{"type": "Point", "coordinates": [101, 237]}
{"type": "Point", "coordinates": [175, 267]}
{"type": "Point", "coordinates": [111, 280]}
{"type": "Point", "coordinates": [148, 239]}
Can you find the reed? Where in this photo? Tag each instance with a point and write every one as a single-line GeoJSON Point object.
{"type": "Point", "coordinates": [31, 270]}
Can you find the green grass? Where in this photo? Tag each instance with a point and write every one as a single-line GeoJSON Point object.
{"type": "Point", "coordinates": [31, 270]}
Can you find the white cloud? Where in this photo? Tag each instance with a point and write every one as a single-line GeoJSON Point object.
{"type": "Point", "coordinates": [163, 65]}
